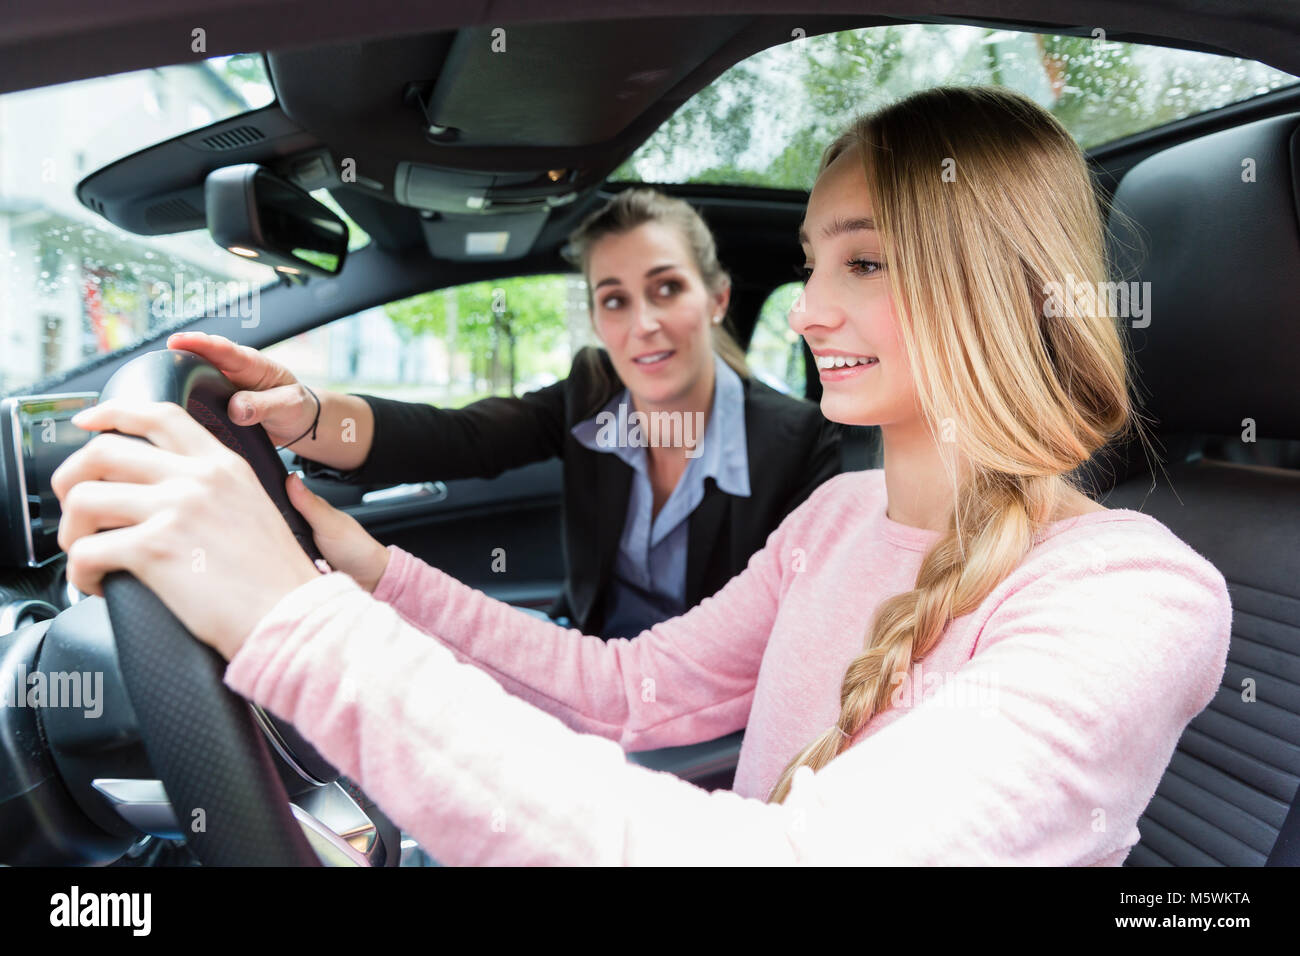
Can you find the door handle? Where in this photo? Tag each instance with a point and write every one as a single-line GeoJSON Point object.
{"type": "Point", "coordinates": [429, 492]}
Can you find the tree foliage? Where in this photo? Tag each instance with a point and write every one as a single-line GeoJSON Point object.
{"type": "Point", "coordinates": [489, 320]}
{"type": "Point", "coordinates": [766, 121]}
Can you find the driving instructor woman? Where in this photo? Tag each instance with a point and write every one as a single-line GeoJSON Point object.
{"type": "Point", "coordinates": [661, 508]}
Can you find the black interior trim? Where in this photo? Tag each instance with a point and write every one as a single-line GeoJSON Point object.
{"type": "Point", "coordinates": [43, 43]}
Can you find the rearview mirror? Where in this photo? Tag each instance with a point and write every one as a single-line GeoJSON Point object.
{"type": "Point", "coordinates": [256, 214]}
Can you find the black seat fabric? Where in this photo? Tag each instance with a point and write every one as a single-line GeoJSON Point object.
{"type": "Point", "coordinates": [1221, 252]}
{"type": "Point", "coordinates": [1235, 770]}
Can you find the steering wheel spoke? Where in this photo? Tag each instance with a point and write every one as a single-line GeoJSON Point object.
{"type": "Point", "coordinates": [338, 830]}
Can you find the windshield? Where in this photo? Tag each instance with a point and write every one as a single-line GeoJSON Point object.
{"type": "Point", "coordinates": [765, 121]}
{"type": "Point", "coordinates": [72, 285]}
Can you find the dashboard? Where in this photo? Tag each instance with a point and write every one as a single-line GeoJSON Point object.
{"type": "Point", "coordinates": [36, 436]}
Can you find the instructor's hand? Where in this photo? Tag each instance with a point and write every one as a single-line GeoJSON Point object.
{"type": "Point", "coordinates": [270, 395]}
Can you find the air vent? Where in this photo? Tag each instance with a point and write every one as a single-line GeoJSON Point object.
{"type": "Point", "coordinates": [235, 138]}
{"type": "Point", "coordinates": [172, 212]}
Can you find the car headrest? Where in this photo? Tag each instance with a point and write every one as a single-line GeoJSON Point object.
{"type": "Point", "coordinates": [1209, 230]}
{"type": "Point", "coordinates": [1218, 240]}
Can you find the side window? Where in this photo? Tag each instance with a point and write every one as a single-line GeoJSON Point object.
{"type": "Point", "coordinates": [452, 346]}
{"type": "Point", "coordinates": [776, 354]}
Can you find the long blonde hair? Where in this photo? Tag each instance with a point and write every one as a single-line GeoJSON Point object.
{"type": "Point", "coordinates": [988, 220]}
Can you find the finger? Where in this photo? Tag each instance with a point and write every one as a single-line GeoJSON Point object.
{"type": "Point", "coordinates": [320, 514]}
{"type": "Point", "coordinates": [93, 506]}
{"type": "Point", "coordinates": [190, 340]}
{"type": "Point", "coordinates": [245, 367]}
{"type": "Point", "coordinates": [164, 424]}
{"type": "Point", "coordinates": [217, 349]}
{"type": "Point", "coordinates": [116, 458]}
{"type": "Point", "coordinates": [92, 557]}
{"type": "Point", "coordinates": [251, 408]}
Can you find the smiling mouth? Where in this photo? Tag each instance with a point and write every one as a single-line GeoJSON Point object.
{"type": "Point", "coordinates": [652, 358]}
{"type": "Point", "coordinates": [825, 362]}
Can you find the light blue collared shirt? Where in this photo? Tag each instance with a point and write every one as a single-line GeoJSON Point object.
{"type": "Point", "coordinates": [649, 583]}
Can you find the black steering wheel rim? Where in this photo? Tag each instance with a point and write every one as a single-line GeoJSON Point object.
{"type": "Point", "coordinates": [201, 737]}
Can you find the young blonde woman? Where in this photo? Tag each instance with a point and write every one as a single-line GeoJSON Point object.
{"type": "Point", "coordinates": [957, 659]}
{"type": "Point", "coordinates": [655, 518]}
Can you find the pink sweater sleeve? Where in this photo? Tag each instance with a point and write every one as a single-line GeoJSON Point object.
{"type": "Point", "coordinates": [683, 681]}
{"type": "Point", "coordinates": [1095, 676]}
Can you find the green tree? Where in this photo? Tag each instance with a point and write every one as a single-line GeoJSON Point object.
{"type": "Point", "coordinates": [243, 69]}
{"type": "Point", "coordinates": [501, 325]}
{"type": "Point", "coordinates": [718, 121]}
{"type": "Point", "coordinates": [766, 121]}
{"type": "Point", "coordinates": [1097, 87]}
{"type": "Point", "coordinates": [836, 76]}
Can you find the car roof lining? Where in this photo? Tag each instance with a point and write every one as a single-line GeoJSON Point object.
{"type": "Point", "coordinates": [559, 96]}
{"type": "Point", "coordinates": [43, 43]}
{"type": "Point", "coordinates": [345, 99]}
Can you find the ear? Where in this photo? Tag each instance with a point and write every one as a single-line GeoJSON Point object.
{"type": "Point", "coordinates": [722, 298]}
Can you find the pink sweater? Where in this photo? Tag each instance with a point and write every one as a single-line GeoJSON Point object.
{"type": "Point", "coordinates": [1035, 732]}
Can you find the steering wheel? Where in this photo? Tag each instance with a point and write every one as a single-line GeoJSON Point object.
{"type": "Point", "coordinates": [206, 744]}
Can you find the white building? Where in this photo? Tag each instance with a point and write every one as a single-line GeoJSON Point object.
{"type": "Point", "coordinates": [71, 284]}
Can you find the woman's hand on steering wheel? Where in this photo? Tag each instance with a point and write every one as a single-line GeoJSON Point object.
{"type": "Point", "coordinates": [184, 514]}
{"type": "Point", "coordinates": [345, 544]}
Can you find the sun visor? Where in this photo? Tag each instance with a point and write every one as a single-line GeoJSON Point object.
{"type": "Point", "coordinates": [470, 238]}
{"type": "Point", "coordinates": [573, 98]}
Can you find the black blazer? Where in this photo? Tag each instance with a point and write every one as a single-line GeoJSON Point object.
{"type": "Point", "coordinates": [792, 449]}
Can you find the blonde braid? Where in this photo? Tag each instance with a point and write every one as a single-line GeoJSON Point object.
{"type": "Point", "coordinates": [999, 516]}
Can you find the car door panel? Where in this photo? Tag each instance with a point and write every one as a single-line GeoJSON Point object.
{"type": "Point", "coordinates": [500, 535]}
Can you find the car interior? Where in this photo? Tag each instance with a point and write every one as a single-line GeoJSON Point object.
{"type": "Point", "coordinates": [426, 138]}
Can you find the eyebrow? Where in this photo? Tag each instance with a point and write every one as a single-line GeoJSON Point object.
{"type": "Point", "coordinates": [838, 226]}
{"type": "Point", "coordinates": [655, 271]}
